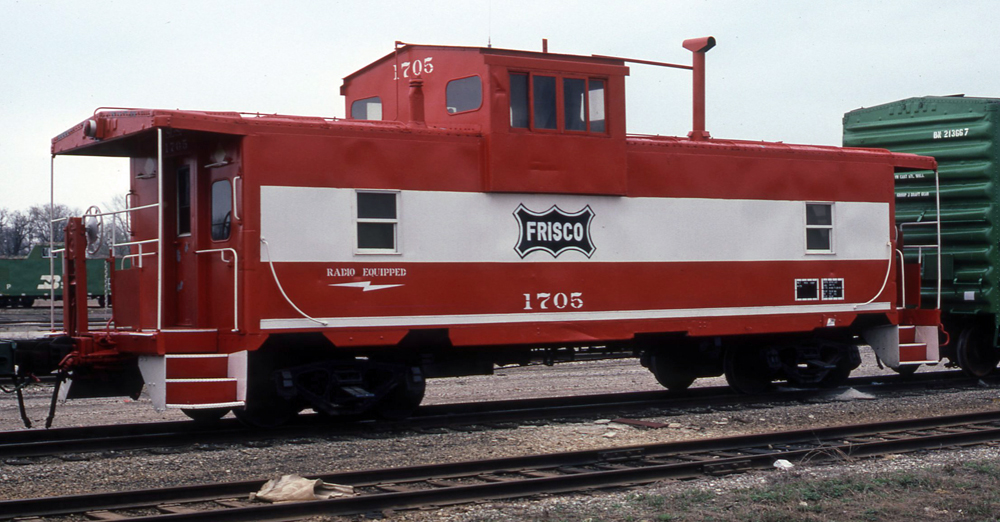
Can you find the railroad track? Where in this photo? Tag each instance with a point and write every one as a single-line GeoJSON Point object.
{"type": "Point", "coordinates": [480, 415]}
{"type": "Point", "coordinates": [446, 484]}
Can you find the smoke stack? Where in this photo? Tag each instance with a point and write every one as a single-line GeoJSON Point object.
{"type": "Point", "coordinates": [699, 46]}
{"type": "Point", "coordinates": [417, 102]}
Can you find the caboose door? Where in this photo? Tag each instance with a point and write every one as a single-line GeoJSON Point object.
{"type": "Point", "coordinates": [204, 253]}
{"type": "Point", "coordinates": [185, 281]}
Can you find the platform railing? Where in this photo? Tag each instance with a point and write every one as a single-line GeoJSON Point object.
{"type": "Point", "coordinates": [936, 246]}
{"type": "Point", "coordinates": [236, 279]}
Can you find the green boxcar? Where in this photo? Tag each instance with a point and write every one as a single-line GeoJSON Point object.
{"type": "Point", "coordinates": [961, 133]}
{"type": "Point", "coordinates": [25, 279]}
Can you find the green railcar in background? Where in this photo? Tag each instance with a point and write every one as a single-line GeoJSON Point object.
{"type": "Point", "coordinates": [26, 279]}
{"type": "Point", "coordinates": [962, 134]}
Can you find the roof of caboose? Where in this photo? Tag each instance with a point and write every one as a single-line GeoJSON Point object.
{"type": "Point", "coordinates": [124, 132]}
{"type": "Point", "coordinates": [513, 53]}
{"type": "Point", "coordinates": [128, 132]}
{"type": "Point", "coordinates": [901, 160]}
{"type": "Point", "coordinates": [129, 135]}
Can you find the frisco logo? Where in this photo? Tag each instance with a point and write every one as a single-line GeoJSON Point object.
{"type": "Point", "coordinates": [554, 231]}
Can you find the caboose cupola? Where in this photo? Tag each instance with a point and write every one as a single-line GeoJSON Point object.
{"type": "Point", "coordinates": [554, 123]}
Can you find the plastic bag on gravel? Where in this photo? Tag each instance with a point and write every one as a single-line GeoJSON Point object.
{"type": "Point", "coordinates": [293, 488]}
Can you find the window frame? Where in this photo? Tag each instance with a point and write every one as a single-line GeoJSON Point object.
{"type": "Point", "coordinates": [830, 227]}
{"type": "Point", "coordinates": [358, 250]}
{"type": "Point", "coordinates": [604, 111]}
{"type": "Point", "coordinates": [481, 96]}
{"type": "Point", "coordinates": [560, 101]}
{"type": "Point", "coordinates": [211, 210]}
{"type": "Point", "coordinates": [184, 210]}
{"type": "Point", "coordinates": [366, 118]}
{"type": "Point", "coordinates": [585, 105]}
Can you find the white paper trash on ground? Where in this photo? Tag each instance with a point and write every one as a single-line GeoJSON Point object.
{"type": "Point", "coordinates": [293, 488]}
{"type": "Point", "coordinates": [783, 464]}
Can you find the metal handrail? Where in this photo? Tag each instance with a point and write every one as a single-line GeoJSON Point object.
{"type": "Point", "coordinates": [236, 212]}
{"type": "Point", "coordinates": [131, 209]}
{"type": "Point", "coordinates": [937, 204]}
{"type": "Point", "coordinates": [141, 242]}
{"type": "Point", "coordinates": [919, 223]}
{"type": "Point", "coordinates": [140, 255]}
{"type": "Point", "coordinates": [902, 277]}
{"type": "Point", "coordinates": [937, 224]}
{"type": "Point", "coordinates": [236, 273]}
{"type": "Point", "coordinates": [159, 239]}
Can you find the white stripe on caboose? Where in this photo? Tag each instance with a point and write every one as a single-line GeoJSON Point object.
{"type": "Point", "coordinates": [309, 224]}
{"type": "Point", "coordinates": [548, 317]}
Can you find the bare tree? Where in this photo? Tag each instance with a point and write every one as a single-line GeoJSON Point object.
{"type": "Point", "coordinates": [15, 233]}
{"type": "Point", "coordinates": [38, 216]}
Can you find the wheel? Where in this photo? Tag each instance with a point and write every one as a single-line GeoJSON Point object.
{"type": "Point", "coordinates": [404, 398]}
{"type": "Point", "coordinates": [669, 373]}
{"type": "Point", "coordinates": [746, 370]}
{"type": "Point", "coordinates": [836, 377]}
{"type": "Point", "coordinates": [907, 371]}
{"type": "Point", "coordinates": [100, 304]}
{"type": "Point", "coordinates": [977, 355]}
{"type": "Point", "coordinates": [206, 415]}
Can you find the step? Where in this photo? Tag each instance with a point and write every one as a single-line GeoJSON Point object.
{"type": "Point", "coordinates": [911, 352]}
{"type": "Point", "coordinates": [197, 366]}
{"type": "Point", "coordinates": [181, 392]}
{"type": "Point", "coordinates": [907, 334]}
{"type": "Point", "coordinates": [187, 340]}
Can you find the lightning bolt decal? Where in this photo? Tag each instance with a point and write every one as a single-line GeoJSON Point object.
{"type": "Point", "coordinates": [366, 286]}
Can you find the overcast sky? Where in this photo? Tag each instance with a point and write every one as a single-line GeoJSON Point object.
{"type": "Point", "coordinates": [782, 70]}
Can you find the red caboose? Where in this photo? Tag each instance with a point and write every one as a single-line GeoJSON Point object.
{"type": "Point", "coordinates": [480, 206]}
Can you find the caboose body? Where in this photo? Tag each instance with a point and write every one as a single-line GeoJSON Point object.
{"type": "Point", "coordinates": [480, 207]}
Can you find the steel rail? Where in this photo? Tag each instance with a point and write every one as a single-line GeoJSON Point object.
{"type": "Point", "coordinates": [36, 443]}
{"type": "Point", "coordinates": [550, 473]}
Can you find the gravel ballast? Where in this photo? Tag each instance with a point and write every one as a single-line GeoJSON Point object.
{"type": "Point", "coordinates": [48, 476]}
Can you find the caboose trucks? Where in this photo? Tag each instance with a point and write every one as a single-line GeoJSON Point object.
{"type": "Point", "coordinates": [480, 206]}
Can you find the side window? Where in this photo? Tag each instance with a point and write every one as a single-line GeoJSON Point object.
{"type": "Point", "coordinates": [377, 221]}
{"type": "Point", "coordinates": [596, 110]}
{"type": "Point", "coordinates": [819, 227]}
{"type": "Point", "coordinates": [463, 95]}
{"type": "Point", "coordinates": [222, 209]}
{"type": "Point", "coordinates": [183, 201]}
{"type": "Point", "coordinates": [367, 109]}
{"type": "Point", "coordinates": [574, 101]}
{"type": "Point", "coordinates": [519, 113]}
{"type": "Point", "coordinates": [533, 103]}
{"type": "Point", "coordinates": [544, 94]}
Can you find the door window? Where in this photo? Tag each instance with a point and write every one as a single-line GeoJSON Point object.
{"type": "Point", "coordinates": [222, 209]}
{"type": "Point", "coordinates": [184, 201]}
